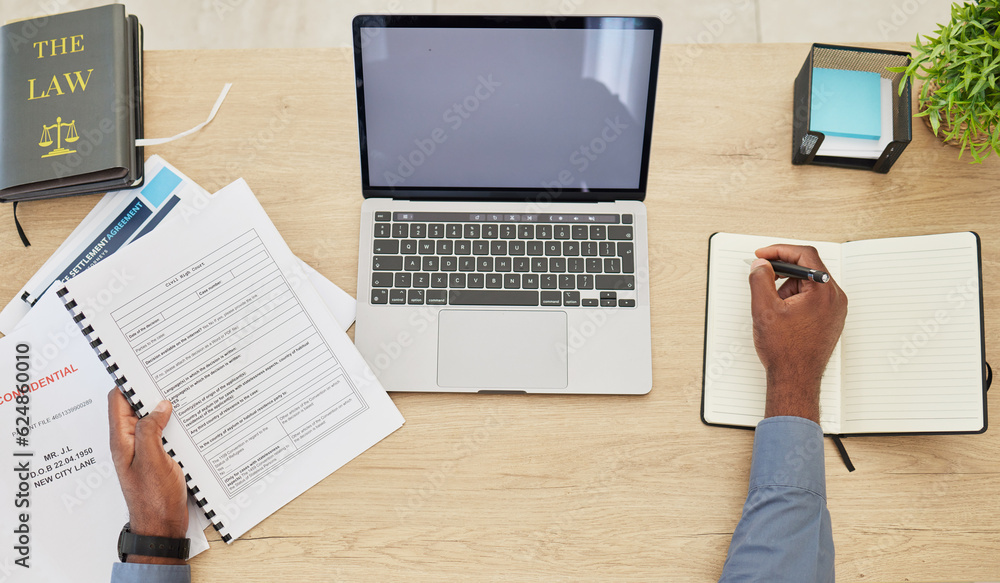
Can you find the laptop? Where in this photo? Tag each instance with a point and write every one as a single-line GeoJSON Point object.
{"type": "Point", "coordinates": [503, 236]}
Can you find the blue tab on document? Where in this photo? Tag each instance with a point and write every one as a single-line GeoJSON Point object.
{"type": "Point", "coordinates": [157, 190]}
{"type": "Point", "coordinates": [846, 103]}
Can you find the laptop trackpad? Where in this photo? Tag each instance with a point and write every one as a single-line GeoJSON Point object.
{"type": "Point", "coordinates": [494, 349]}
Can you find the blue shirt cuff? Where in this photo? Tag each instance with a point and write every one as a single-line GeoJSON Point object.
{"type": "Point", "coordinates": [143, 573]}
{"type": "Point", "coordinates": [788, 452]}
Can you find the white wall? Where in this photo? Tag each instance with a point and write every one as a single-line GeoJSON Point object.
{"type": "Point", "coordinates": [207, 24]}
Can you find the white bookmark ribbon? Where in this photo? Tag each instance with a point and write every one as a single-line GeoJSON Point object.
{"type": "Point", "coordinates": [215, 109]}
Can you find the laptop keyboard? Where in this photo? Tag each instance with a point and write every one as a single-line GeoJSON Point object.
{"type": "Point", "coordinates": [486, 259]}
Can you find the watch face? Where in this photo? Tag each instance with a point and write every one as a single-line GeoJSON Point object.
{"type": "Point", "coordinates": [122, 556]}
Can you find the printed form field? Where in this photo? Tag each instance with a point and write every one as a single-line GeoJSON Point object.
{"type": "Point", "coordinates": [250, 377]}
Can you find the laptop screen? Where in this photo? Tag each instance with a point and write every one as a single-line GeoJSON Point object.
{"type": "Point", "coordinates": [524, 108]}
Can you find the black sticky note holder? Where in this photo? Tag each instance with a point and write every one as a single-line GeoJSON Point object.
{"type": "Point", "coordinates": [806, 143]}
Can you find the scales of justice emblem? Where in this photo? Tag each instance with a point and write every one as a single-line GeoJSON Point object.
{"type": "Point", "coordinates": [71, 136]}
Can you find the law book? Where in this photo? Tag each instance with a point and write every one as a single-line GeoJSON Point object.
{"type": "Point", "coordinates": [212, 312]}
{"type": "Point", "coordinates": [911, 358]}
{"type": "Point", "coordinates": [70, 104]}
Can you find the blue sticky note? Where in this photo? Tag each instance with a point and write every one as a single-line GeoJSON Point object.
{"type": "Point", "coordinates": [846, 103]}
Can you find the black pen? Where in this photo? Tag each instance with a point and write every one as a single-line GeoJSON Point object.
{"type": "Point", "coordinates": [782, 269]}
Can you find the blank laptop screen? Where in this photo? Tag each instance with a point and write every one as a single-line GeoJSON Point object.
{"type": "Point", "coordinates": [545, 109]}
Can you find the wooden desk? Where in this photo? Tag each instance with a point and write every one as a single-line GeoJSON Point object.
{"type": "Point", "coordinates": [582, 488]}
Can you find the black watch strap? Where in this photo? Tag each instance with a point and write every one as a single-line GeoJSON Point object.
{"type": "Point", "coordinates": [130, 543]}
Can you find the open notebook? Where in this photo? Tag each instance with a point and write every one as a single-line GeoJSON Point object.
{"type": "Point", "coordinates": [911, 356]}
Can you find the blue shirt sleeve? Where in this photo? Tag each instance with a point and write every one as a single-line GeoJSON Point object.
{"type": "Point", "coordinates": [141, 573]}
{"type": "Point", "coordinates": [785, 532]}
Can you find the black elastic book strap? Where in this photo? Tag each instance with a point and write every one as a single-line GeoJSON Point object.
{"type": "Point", "coordinates": [843, 452]}
{"type": "Point", "coordinates": [989, 375]}
{"type": "Point", "coordinates": [20, 231]}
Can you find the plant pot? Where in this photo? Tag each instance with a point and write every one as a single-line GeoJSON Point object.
{"type": "Point", "coordinates": [978, 139]}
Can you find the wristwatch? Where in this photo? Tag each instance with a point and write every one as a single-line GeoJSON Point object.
{"type": "Point", "coordinates": [130, 543]}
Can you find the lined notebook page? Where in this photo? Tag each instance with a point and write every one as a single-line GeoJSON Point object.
{"type": "Point", "coordinates": [734, 383]}
{"type": "Point", "coordinates": [912, 357]}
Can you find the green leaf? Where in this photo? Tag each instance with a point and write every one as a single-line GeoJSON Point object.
{"type": "Point", "coordinates": [977, 25]}
{"type": "Point", "coordinates": [979, 85]}
{"type": "Point", "coordinates": [959, 68]}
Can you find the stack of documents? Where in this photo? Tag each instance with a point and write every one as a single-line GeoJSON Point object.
{"type": "Point", "coordinates": [269, 395]}
{"type": "Point", "coordinates": [76, 506]}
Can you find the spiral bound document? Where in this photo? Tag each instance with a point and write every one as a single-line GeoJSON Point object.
{"type": "Point", "coordinates": [74, 488]}
{"type": "Point", "coordinates": [213, 313]}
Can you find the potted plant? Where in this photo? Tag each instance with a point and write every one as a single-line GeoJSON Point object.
{"type": "Point", "coordinates": [960, 70]}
